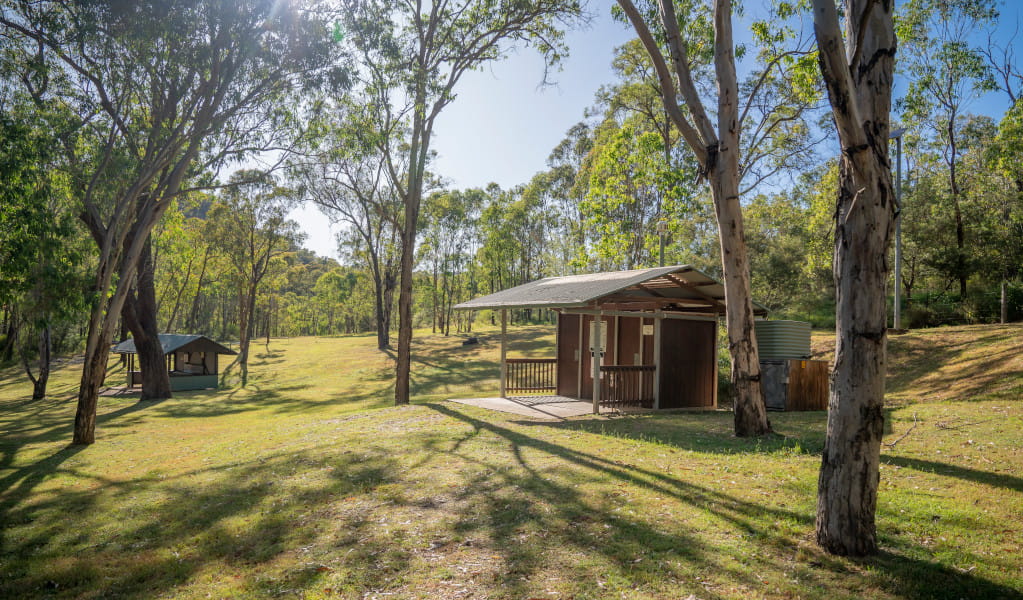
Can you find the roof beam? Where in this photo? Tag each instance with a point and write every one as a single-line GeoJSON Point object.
{"type": "Point", "coordinates": [650, 290]}
{"type": "Point", "coordinates": [661, 302]}
{"type": "Point", "coordinates": [688, 286]}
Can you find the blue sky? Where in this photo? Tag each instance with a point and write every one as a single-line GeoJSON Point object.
{"type": "Point", "coordinates": [502, 126]}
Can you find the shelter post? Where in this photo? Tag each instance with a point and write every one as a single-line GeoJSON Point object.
{"type": "Point", "coordinates": [658, 320]}
{"type": "Point", "coordinates": [717, 328]}
{"type": "Point", "coordinates": [504, 352]}
{"type": "Point", "coordinates": [596, 352]}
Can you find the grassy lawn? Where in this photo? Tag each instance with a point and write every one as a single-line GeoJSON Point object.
{"type": "Point", "coordinates": [308, 484]}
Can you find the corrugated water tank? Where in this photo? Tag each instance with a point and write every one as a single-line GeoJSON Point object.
{"type": "Point", "coordinates": [783, 339]}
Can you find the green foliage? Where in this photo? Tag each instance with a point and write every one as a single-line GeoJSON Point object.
{"type": "Point", "coordinates": [450, 240]}
{"type": "Point", "coordinates": [42, 278]}
{"type": "Point", "coordinates": [631, 187]}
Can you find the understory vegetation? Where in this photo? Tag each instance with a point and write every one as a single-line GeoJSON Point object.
{"type": "Point", "coordinates": [307, 483]}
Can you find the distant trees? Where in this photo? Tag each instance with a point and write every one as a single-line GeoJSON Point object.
{"type": "Point", "coordinates": [348, 175]}
{"type": "Point", "coordinates": [945, 72]}
{"type": "Point", "coordinates": [155, 93]}
{"type": "Point", "coordinates": [413, 57]}
{"type": "Point", "coordinates": [450, 238]}
{"type": "Point", "coordinates": [251, 230]}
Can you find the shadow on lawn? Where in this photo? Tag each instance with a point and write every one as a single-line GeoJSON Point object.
{"type": "Point", "coordinates": [913, 367]}
{"type": "Point", "coordinates": [895, 572]}
{"type": "Point", "coordinates": [326, 517]}
{"type": "Point", "coordinates": [639, 550]}
{"type": "Point", "coordinates": [145, 550]}
{"type": "Point", "coordinates": [1008, 482]}
{"type": "Point", "coordinates": [708, 432]}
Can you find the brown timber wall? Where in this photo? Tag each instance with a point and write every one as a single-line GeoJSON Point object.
{"type": "Point", "coordinates": [808, 385]}
{"type": "Point", "coordinates": [569, 355]}
{"type": "Point", "coordinates": [688, 364]}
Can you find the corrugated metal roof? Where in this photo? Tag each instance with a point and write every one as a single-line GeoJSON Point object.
{"type": "Point", "coordinates": [680, 284]}
{"type": "Point", "coordinates": [176, 341]}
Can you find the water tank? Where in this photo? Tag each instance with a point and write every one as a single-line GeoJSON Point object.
{"type": "Point", "coordinates": [783, 339]}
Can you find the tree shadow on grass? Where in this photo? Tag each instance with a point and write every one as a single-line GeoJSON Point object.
{"type": "Point", "coordinates": [894, 570]}
{"type": "Point", "coordinates": [913, 368]}
{"type": "Point", "coordinates": [344, 514]}
{"type": "Point", "coordinates": [707, 432]}
{"type": "Point", "coordinates": [214, 516]}
{"type": "Point", "coordinates": [1001, 480]}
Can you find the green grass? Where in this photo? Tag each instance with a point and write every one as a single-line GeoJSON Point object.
{"type": "Point", "coordinates": [308, 484]}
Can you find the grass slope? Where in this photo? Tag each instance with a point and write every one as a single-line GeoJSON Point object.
{"type": "Point", "coordinates": [307, 484]}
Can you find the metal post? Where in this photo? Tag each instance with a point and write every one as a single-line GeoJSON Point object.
{"type": "Point", "coordinates": [898, 232]}
{"type": "Point", "coordinates": [897, 300]}
{"type": "Point", "coordinates": [662, 229]}
{"type": "Point", "coordinates": [504, 352]}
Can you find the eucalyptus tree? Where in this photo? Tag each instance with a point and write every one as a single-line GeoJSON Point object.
{"type": "Point", "coordinates": [413, 54]}
{"type": "Point", "coordinates": [251, 228]}
{"type": "Point", "coordinates": [631, 186]}
{"type": "Point", "coordinates": [1005, 71]}
{"type": "Point", "coordinates": [510, 251]}
{"type": "Point", "coordinates": [181, 258]}
{"type": "Point", "coordinates": [675, 36]}
{"type": "Point", "coordinates": [159, 91]}
{"type": "Point", "coordinates": [639, 171]}
{"type": "Point", "coordinates": [994, 183]}
{"type": "Point", "coordinates": [858, 69]}
{"type": "Point", "coordinates": [346, 175]}
{"type": "Point", "coordinates": [41, 274]}
{"type": "Point", "coordinates": [450, 237]}
{"type": "Point", "coordinates": [945, 72]}
{"type": "Point", "coordinates": [565, 180]}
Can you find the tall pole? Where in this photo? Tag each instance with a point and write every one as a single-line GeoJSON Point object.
{"type": "Point", "coordinates": [898, 230]}
{"type": "Point", "coordinates": [662, 229]}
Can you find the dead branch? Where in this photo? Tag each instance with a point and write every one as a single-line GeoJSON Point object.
{"type": "Point", "coordinates": [916, 422]}
{"type": "Point", "coordinates": [947, 425]}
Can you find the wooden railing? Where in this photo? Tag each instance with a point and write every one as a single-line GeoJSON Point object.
{"type": "Point", "coordinates": [627, 385]}
{"type": "Point", "coordinates": [532, 376]}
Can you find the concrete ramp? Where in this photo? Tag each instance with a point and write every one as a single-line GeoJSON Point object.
{"type": "Point", "coordinates": [550, 408]}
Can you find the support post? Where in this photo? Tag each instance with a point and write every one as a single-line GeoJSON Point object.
{"type": "Point", "coordinates": [1003, 313]}
{"type": "Point", "coordinates": [897, 300]}
{"type": "Point", "coordinates": [504, 352]}
{"type": "Point", "coordinates": [717, 325]}
{"type": "Point", "coordinates": [595, 352]}
{"type": "Point", "coordinates": [579, 356]}
{"type": "Point", "coordinates": [658, 320]}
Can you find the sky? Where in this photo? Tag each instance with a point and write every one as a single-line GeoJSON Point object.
{"type": "Point", "coordinates": [502, 125]}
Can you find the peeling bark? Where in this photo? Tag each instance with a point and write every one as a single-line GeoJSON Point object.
{"type": "Point", "coordinates": [860, 97]}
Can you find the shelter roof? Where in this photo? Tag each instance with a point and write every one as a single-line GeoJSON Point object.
{"type": "Point", "coordinates": [172, 342]}
{"type": "Point", "coordinates": [679, 288]}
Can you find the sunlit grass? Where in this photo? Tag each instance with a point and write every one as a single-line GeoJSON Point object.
{"type": "Point", "coordinates": [309, 484]}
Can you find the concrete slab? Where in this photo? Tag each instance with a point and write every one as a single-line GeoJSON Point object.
{"type": "Point", "coordinates": [120, 390]}
{"type": "Point", "coordinates": [550, 408]}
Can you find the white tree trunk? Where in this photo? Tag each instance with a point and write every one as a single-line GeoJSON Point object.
{"type": "Point", "coordinates": [858, 74]}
